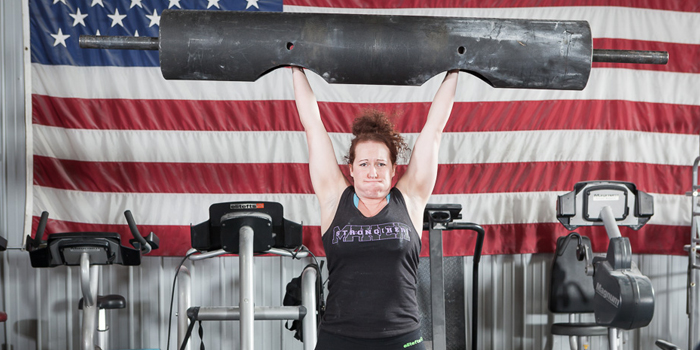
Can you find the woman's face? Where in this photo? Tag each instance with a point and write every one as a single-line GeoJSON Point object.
{"type": "Point", "coordinates": [372, 170]}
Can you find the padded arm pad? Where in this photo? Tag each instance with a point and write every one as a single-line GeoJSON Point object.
{"type": "Point", "coordinates": [623, 298]}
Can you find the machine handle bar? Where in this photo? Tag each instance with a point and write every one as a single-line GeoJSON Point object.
{"type": "Point", "coordinates": [40, 229]}
{"type": "Point", "coordinates": [145, 247]}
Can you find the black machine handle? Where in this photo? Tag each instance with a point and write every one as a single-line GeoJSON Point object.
{"type": "Point", "coordinates": [36, 242]}
{"type": "Point", "coordinates": [666, 345]}
{"type": "Point", "coordinates": [466, 226]}
{"type": "Point", "coordinates": [145, 245]}
{"type": "Point", "coordinates": [475, 272]}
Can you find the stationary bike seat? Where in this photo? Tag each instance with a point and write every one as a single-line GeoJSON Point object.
{"type": "Point", "coordinates": [107, 302]}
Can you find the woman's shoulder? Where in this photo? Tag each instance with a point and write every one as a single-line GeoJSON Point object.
{"type": "Point", "coordinates": [395, 192]}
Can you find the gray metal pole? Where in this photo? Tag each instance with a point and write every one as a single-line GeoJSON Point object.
{"type": "Point", "coordinates": [89, 278]}
{"type": "Point", "coordinates": [612, 339]}
{"type": "Point", "coordinates": [263, 313]}
{"type": "Point", "coordinates": [183, 303]}
{"type": "Point", "coordinates": [247, 297]}
{"type": "Point", "coordinates": [609, 220]}
{"type": "Point", "coordinates": [437, 290]}
{"type": "Point", "coordinates": [308, 300]}
{"type": "Point", "coordinates": [692, 306]}
{"type": "Point", "coordinates": [613, 232]}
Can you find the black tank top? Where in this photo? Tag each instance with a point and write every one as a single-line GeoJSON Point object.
{"type": "Point", "coordinates": [372, 266]}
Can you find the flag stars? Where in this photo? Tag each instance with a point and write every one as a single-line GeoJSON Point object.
{"type": "Point", "coordinates": [57, 1]}
{"type": "Point", "coordinates": [78, 17]}
{"type": "Point", "coordinates": [155, 19]}
{"type": "Point", "coordinates": [135, 3]}
{"type": "Point", "coordinates": [97, 2]}
{"type": "Point", "coordinates": [60, 38]}
{"type": "Point", "coordinates": [174, 3]}
{"type": "Point", "coordinates": [213, 3]}
{"type": "Point", "coordinates": [252, 3]}
{"type": "Point", "coordinates": [117, 18]}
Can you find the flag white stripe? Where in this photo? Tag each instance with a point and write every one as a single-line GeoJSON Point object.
{"type": "Point", "coordinates": [291, 147]}
{"type": "Point", "coordinates": [148, 83]}
{"type": "Point", "coordinates": [605, 21]}
{"type": "Point", "coordinates": [185, 209]}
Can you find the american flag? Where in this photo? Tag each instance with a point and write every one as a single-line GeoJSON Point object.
{"type": "Point", "coordinates": [110, 134]}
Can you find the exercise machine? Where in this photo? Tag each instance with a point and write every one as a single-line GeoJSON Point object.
{"type": "Point", "coordinates": [692, 306]}
{"type": "Point", "coordinates": [374, 49]}
{"type": "Point", "coordinates": [89, 250]}
{"type": "Point", "coordinates": [623, 298]}
{"type": "Point", "coordinates": [436, 219]}
{"type": "Point", "coordinates": [247, 228]}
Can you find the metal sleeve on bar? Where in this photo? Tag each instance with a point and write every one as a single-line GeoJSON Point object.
{"type": "Point", "coordinates": [119, 42]}
{"type": "Point", "coordinates": [630, 56]}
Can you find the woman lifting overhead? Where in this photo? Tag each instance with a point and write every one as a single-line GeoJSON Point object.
{"type": "Point", "coordinates": [371, 231]}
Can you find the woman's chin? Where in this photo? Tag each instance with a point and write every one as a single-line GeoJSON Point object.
{"type": "Point", "coordinates": [374, 190]}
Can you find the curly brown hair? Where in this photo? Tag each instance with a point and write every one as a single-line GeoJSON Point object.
{"type": "Point", "coordinates": [375, 125]}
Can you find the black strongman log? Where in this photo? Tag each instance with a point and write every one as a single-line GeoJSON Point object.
{"type": "Point", "coordinates": [375, 49]}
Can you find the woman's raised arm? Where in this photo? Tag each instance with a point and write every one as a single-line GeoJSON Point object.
{"type": "Point", "coordinates": [327, 179]}
{"type": "Point", "coordinates": [419, 180]}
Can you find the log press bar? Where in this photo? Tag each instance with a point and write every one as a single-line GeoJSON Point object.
{"type": "Point", "coordinates": [374, 49]}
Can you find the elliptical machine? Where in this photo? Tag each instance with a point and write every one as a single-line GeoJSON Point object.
{"type": "Point", "coordinates": [623, 298]}
{"type": "Point", "coordinates": [89, 250]}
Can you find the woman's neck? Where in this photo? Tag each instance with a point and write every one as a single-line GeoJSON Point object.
{"type": "Point", "coordinates": [371, 206]}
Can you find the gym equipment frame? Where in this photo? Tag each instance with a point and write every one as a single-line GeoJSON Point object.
{"type": "Point", "coordinates": [624, 298]}
{"type": "Point", "coordinates": [692, 307]}
{"type": "Point", "coordinates": [245, 228]}
{"type": "Point", "coordinates": [438, 218]}
{"type": "Point", "coordinates": [89, 250]}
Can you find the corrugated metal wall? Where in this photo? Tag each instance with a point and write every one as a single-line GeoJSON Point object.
{"type": "Point", "coordinates": [42, 303]}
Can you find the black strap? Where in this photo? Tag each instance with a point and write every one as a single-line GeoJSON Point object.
{"type": "Point", "coordinates": [193, 319]}
{"type": "Point", "coordinates": [201, 336]}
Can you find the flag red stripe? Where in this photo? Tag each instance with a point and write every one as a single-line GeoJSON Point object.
{"type": "Point", "coordinates": [681, 57]}
{"type": "Point", "coordinates": [139, 177]}
{"type": "Point", "coordinates": [678, 5]}
{"type": "Point", "coordinates": [119, 114]}
{"type": "Point", "coordinates": [499, 239]}
{"type": "Point", "coordinates": [273, 178]}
